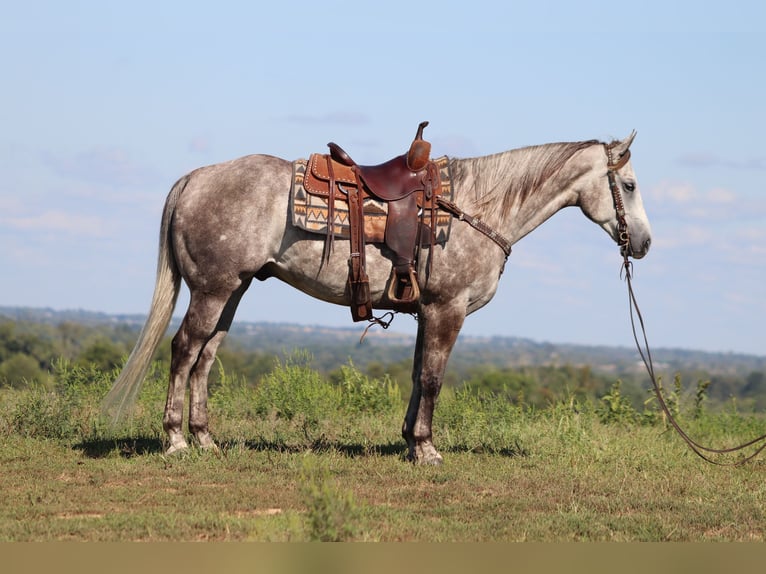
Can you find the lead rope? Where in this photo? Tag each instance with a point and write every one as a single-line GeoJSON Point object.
{"type": "Point", "coordinates": [646, 357]}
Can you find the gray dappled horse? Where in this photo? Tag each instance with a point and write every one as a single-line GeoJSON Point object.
{"type": "Point", "coordinates": [228, 223]}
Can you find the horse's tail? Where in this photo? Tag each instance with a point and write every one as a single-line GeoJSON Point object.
{"type": "Point", "coordinates": [122, 396]}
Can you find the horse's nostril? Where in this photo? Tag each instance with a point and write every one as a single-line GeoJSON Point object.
{"type": "Point", "coordinates": [647, 244]}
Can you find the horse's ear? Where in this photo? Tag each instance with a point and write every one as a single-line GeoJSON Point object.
{"type": "Point", "coordinates": [621, 147]}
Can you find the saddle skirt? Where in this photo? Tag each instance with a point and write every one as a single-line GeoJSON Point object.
{"type": "Point", "coordinates": [310, 193]}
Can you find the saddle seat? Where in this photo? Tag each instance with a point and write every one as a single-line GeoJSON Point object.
{"type": "Point", "coordinates": [409, 184]}
{"type": "Point", "coordinates": [394, 179]}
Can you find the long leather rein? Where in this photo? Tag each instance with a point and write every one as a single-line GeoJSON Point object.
{"type": "Point", "coordinates": [644, 351]}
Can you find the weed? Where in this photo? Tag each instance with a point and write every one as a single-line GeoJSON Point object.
{"type": "Point", "coordinates": [293, 389]}
{"type": "Point", "coordinates": [700, 397]}
{"type": "Point", "coordinates": [332, 513]}
{"type": "Point", "coordinates": [361, 394]}
{"type": "Point", "coordinates": [615, 408]}
{"type": "Point", "coordinates": [477, 421]}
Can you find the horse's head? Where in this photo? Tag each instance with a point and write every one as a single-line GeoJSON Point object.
{"type": "Point", "coordinates": [611, 199]}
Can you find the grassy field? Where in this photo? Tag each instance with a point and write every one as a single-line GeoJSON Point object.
{"type": "Point", "coordinates": [302, 459]}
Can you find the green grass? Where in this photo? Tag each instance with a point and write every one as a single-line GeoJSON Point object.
{"type": "Point", "coordinates": [303, 459]}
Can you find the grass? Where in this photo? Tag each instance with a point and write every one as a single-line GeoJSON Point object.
{"type": "Point", "coordinates": [289, 471]}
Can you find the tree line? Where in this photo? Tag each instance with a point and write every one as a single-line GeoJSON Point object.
{"type": "Point", "coordinates": [29, 351]}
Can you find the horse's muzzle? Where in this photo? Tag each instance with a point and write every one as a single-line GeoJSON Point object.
{"type": "Point", "coordinates": [635, 253]}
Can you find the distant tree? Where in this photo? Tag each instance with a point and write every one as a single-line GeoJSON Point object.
{"type": "Point", "coordinates": [70, 338]}
{"type": "Point", "coordinates": [18, 370]}
{"type": "Point", "coordinates": [251, 365]}
{"type": "Point", "coordinates": [6, 336]}
{"type": "Point", "coordinates": [400, 372]}
{"type": "Point", "coordinates": [755, 389]}
{"type": "Point", "coordinates": [755, 384]}
{"type": "Point", "coordinates": [514, 385]}
{"type": "Point", "coordinates": [35, 341]}
{"type": "Point", "coordinates": [102, 353]}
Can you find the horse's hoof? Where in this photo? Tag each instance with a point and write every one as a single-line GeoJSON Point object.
{"type": "Point", "coordinates": [177, 444]}
{"type": "Point", "coordinates": [177, 449]}
{"type": "Point", "coordinates": [433, 461]}
{"type": "Point", "coordinates": [206, 442]}
{"type": "Point", "coordinates": [425, 454]}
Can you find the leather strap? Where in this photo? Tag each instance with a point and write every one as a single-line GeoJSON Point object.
{"type": "Point", "coordinates": [622, 224]}
{"type": "Point", "coordinates": [359, 283]}
{"type": "Point", "coordinates": [477, 224]}
{"type": "Point", "coordinates": [330, 214]}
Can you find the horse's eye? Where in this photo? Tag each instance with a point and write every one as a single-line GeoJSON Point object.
{"type": "Point", "coordinates": [629, 187]}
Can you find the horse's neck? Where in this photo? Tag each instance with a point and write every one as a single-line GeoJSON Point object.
{"type": "Point", "coordinates": [554, 195]}
{"type": "Point", "coordinates": [491, 186]}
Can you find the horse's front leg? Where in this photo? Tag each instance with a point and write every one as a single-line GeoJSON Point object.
{"type": "Point", "coordinates": [438, 328]}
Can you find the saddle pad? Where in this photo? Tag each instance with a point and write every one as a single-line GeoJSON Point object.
{"type": "Point", "coordinates": [309, 212]}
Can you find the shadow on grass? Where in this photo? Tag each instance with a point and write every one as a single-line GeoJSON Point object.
{"type": "Point", "coordinates": [510, 452]}
{"type": "Point", "coordinates": [129, 447]}
{"type": "Point", "coordinates": [352, 450]}
{"type": "Point", "coordinates": [324, 445]}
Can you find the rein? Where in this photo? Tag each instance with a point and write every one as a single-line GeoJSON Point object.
{"type": "Point", "coordinates": [644, 351]}
{"type": "Point", "coordinates": [646, 357]}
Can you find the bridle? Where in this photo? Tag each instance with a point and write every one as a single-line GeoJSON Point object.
{"type": "Point", "coordinates": [627, 268]}
{"type": "Point", "coordinates": [623, 237]}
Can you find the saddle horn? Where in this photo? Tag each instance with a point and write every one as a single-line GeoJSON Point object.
{"type": "Point", "coordinates": [420, 150]}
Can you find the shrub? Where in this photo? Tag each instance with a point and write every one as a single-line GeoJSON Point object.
{"type": "Point", "coordinates": [361, 394]}
{"type": "Point", "coordinates": [19, 370]}
{"type": "Point", "coordinates": [476, 420]}
{"type": "Point", "coordinates": [332, 513]}
{"type": "Point", "coordinates": [292, 388]}
{"type": "Point", "coordinates": [68, 410]}
{"type": "Point", "coordinates": [614, 407]}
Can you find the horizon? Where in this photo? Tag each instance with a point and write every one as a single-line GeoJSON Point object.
{"type": "Point", "coordinates": [357, 329]}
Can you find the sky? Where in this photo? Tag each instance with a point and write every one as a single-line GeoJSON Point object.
{"type": "Point", "coordinates": [104, 105]}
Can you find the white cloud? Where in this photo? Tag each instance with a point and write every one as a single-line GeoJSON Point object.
{"type": "Point", "coordinates": [710, 160]}
{"type": "Point", "coordinates": [686, 193]}
{"type": "Point", "coordinates": [342, 118]}
{"type": "Point", "coordinates": [10, 203]}
{"type": "Point", "coordinates": [682, 236]}
{"type": "Point", "coordinates": [754, 234]}
{"type": "Point", "coordinates": [685, 202]}
{"type": "Point", "coordinates": [59, 222]}
{"type": "Point", "coordinates": [671, 192]}
{"type": "Point", "coordinates": [454, 145]}
{"type": "Point", "coordinates": [111, 166]}
{"type": "Point", "coordinates": [721, 195]}
{"type": "Point", "coordinates": [200, 144]}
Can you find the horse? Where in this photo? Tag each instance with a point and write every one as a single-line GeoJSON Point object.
{"type": "Point", "coordinates": [226, 224]}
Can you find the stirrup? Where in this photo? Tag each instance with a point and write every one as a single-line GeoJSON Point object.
{"type": "Point", "coordinates": [404, 289]}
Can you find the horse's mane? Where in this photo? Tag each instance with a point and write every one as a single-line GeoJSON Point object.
{"type": "Point", "coordinates": [509, 178]}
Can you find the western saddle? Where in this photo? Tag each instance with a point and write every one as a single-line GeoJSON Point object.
{"type": "Point", "coordinates": [409, 184]}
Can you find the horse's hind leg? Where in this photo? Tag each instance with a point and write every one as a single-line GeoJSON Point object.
{"type": "Point", "coordinates": [193, 353]}
{"type": "Point", "coordinates": [198, 420]}
{"type": "Point", "coordinates": [438, 328]}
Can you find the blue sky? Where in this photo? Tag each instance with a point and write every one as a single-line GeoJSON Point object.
{"type": "Point", "coordinates": [104, 105]}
